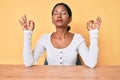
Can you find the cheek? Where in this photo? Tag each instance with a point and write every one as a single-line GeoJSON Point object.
{"type": "Point", "coordinates": [53, 19]}
{"type": "Point", "coordinates": [67, 20]}
{"type": "Point", "coordinates": [65, 17]}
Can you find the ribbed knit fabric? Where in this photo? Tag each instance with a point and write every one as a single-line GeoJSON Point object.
{"type": "Point", "coordinates": [64, 56]}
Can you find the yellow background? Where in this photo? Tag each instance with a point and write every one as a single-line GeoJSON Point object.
{"type": "Point", "coordinates": [11, 34]}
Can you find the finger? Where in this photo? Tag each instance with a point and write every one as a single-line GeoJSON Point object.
{"type": "Point", "coordinates": [98, 21]}
{"type": "Point", "coordinates": [96, 26]}
{"type": "Point", "coordinates": [29, 23]}
{"type": "Point", "coordinates": [89, 25]}
{"type": "Point", "coordinates": [22, 25]}
{"type": "Point", "coordinates": [25, 18]}
{"type": "Point", "coordinates": [32, 24]}
{"type": "Point", "coordinates": [21, 22]}
{"type": "Point", "coordinates": [90, 22]}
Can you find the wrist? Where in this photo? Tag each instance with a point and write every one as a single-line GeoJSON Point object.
{"type": "Point", "coordinates": [93, 33]}
{"type": "Point", "coordinates": [28, 31]}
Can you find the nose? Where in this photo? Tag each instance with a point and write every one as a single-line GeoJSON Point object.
{"type": "Point", "coordinates": [58, 15]}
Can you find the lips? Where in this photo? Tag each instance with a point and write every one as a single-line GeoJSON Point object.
{"type": "Point", "coordinates": [59, 20]}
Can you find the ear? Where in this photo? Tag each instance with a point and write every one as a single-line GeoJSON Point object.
{"type": "Point", "coordinates": [70, 20]}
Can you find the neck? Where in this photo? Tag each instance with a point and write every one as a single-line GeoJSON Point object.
{"type": "Point", "coordinates": [61, 32]}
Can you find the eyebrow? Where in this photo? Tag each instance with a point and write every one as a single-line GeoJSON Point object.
{"type": "Point", "coordinates": [61, 11]}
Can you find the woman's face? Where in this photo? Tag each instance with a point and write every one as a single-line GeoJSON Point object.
{"type": "Point", "coordinates": [60, 16]}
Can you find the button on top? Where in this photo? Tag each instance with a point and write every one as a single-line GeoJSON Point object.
{"type": "Point", "coordinates": [60, 51]}
{"type": "Point", "coordinates": [60, 62]}
{"type": "Point", "coordinates": [60, 57]}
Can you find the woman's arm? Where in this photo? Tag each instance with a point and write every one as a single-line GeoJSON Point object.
{"type": "Point", "coordinates": [30, 57]}
{"type": "Point", "coordinates": [27, 50]}
{"type": "Point", "coordinates": [89, 55]}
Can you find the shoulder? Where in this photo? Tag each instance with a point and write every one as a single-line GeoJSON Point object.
{"type": "Point", "coordinates": [45, 36]}
{"type": "Point", "coordinates": [78, 37]}
{"type": "Point", "coordinates": [43, 39]}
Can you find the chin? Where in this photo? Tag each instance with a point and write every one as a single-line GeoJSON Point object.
{"type": "Point", "coordinates": [59, 25]}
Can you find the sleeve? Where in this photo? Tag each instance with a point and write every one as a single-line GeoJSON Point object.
{"type": "Point", "coordinates": [90, 54]}
{"type": "Point", "coordinates": [30, 57]}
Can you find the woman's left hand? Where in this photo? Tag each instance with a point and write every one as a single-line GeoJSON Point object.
{"type": "Point", "coordinates": [93, 25]}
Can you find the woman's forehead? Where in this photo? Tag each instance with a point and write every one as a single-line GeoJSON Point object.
{"type": "Point", "coordinates": [60, 7]}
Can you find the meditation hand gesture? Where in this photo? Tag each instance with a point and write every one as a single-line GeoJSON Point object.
{"type": "Point", "coordinates": [92, 25]}
{"type": "Point", "coordinates": [26, 25]}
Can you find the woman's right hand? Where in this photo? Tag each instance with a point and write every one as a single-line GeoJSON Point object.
{"type": "Point", "coordinates": [26, 24]}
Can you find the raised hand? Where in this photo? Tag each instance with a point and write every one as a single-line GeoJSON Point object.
{"type": "Point", "coordinates": [26, 24]}
{"type": "Point", "coordinates": [92, 25]}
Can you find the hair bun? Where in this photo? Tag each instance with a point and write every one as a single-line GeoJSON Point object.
{"type": "Point", "coordinates": [68, 28]}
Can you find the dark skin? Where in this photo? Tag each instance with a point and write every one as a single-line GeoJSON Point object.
{"type": "Point", "coordinates": [61, 38]}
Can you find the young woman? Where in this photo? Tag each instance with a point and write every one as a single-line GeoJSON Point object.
{"type": "Point", "coordinates": [61, 46]}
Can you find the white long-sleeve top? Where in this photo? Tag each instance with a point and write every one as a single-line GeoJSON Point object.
{"type": "Point", "coordinates": [64, 56]}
